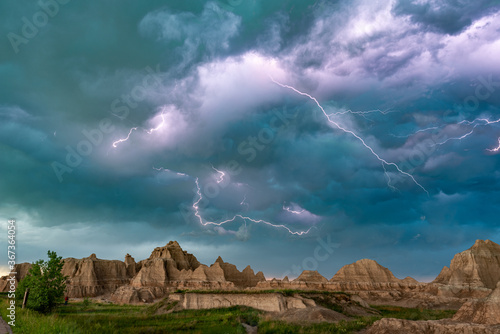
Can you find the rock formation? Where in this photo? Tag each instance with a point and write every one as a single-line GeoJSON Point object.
{"type": "Point", "coordinates": [167, 268]}
{"type": "Point", "coordinates": [90, 276]}
{"type": "Point", "coordinates": [485, 311]}
{"type": "Point", "coordinates": [130, 265]}
{"type": "Point", "coordinates": [473, 317]}
{"type": "Point", "coordinates": [21, 270]}
{"type": "Point", "coordinates": [477, 267]}
{"type": "Point", "coordinates": [269, 302]}
{"type": "Point", "coordinates": [401, 326]}
{"type": "Point", "coordinates": [310, 276]}
{"type": "Point", "coordinates": [244, 279]}
{"type": "Point", "coordinates": [364, 271]}
{"type": "Point", "coordinates": [472, 275]}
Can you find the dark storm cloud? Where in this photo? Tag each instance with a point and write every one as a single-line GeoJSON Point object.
{"type": "Point", "coordinates": [194, 79]}
{"type": "Point", "coordinates": [450, 17]}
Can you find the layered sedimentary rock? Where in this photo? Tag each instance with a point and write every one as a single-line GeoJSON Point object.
{"type": "Point", "coordinates": [485, 311]}
{"type": "Point", "coordinates": [127, 294]}
{"type": "Point", "coordinates": [130, 265]}
{"type": "Point", "coordinates": [171, 267]}
{"type": "Point", "coordinates": [243, 279]}
{"type": "Point", "coordinates": [271, 302]}
{"type": "Point", "coordinates": [401, 326]}
{"type": "Point", "coordinates": [477, 267]}
{"type": "Point", "coordinates": [470, 276]}
{"type": "Point", "coordinates": [311, 276]}
{"type": "Point", "coordinates": [364, 271]}
{"type": "Point", "coordinates": [90, 276]}
{"type": "Point", "coordinates": [167, 268]}
{"type": "Point", "coordinates": [373, 283]}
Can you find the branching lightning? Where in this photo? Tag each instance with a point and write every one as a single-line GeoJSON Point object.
{"type": "Point", "coordinates": [474, 123]}
{"type": "Point", "coordinates": [196, 209]}
{"type": "Point", "coordinates": [337, 125]}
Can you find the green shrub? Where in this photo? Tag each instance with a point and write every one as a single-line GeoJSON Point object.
{"type": "Point", "coordinates": [46, 284]}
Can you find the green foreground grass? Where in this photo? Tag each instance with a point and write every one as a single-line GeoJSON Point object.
{"type": "Point", "coordinates": [85, 317]}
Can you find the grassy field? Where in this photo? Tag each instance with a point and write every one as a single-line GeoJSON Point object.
{"type": "Point", "coordinates": [87, 317]}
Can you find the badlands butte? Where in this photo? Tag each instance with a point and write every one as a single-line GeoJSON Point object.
{"type": "Point", "coordinates": [471, 285]}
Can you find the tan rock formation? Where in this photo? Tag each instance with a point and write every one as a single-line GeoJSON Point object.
{"type": "Point", "coordinates": [244, 279]}
{"type": "Point", "coordinates": [127, 294]}
{"type": "Point", "coordinates": [270, 302]}
{"type": "Point", "coordinates": [409, 280]}
{"type": "Point", "coordinates": [311, 276]}
{"type": "Point", "coordinates": [365, 270]}
{"type": "Point", "coordinates": [171, 267]}
{"type": "Point", "coordinates": [21, 270]}
{"type": "Point", "coordinates": [130, 265]}
{"type": "Point", "coordinates": [181, 258]}
{"type": "Point", "coordinates": [478, 266]}
{"type": "Point", "coordinates": [400, 326]}
{"type": "Point", "coordinates": [485, 311]}
{"type": "Point", "coordinates": [89, 277]}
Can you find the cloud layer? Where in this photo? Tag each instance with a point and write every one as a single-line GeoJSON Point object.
{"type": "Point", "coordinates": [109, 121]}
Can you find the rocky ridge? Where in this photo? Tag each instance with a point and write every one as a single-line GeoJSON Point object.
{"type": "Point", "coordinates": [470, 277]}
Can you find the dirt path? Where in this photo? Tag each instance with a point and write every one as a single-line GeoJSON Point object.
{"type": "Point", "coordinates": [250, 329]}
{"type": "Point", "coordinates": [4, 327]}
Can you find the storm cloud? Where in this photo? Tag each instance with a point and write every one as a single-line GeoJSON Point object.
{"type": "Point", "coordinates": [123, 129]}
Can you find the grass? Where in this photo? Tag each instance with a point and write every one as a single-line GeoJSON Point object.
{"type": "Point", "coordinates": [279, 327]}
{"type": "Point", "coordinates": [83, 318]}
{"type": "Point", "coordinates": [90, 317]}
{"type": "Point", "coordinates": [413, 313]}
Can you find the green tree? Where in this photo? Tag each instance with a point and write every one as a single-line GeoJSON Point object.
{"type": "Point", "coordinates": [46, 283]}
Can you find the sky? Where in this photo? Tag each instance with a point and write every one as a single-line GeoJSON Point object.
{"type": "Point", "coordinates": [288, 135]}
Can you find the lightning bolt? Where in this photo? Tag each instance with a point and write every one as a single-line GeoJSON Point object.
{"type": "Point", "coordinates": [243, 202]}
{"type": "Point", "coordinates": [160, 125]}
{"type": "Point", "coordinates": [364, 112]}
{"type": "Point", "coordinates": [221, 173]}
{"type": "Point", "coordinates": [418, 131]}
{"type": "Point", "coordinates": [203, 222]}
{"type": "Point", "coordinates": [496, 149]}
{"type": "Point", "coordinates": [475, 123]}
{"type": "Point", "coordinates": [124, 139]}
{"type": "Point", "coordinates": [161, 169]}
{"type": "Point", "coordinates": [389, 180]}
{"type": "Point", "coordinates": [196, 209]}
{"type": "Point", "coordinates": [338, 126]}
{"type": "Point", "coordinates": [150, 131]}
{"type": "Point", "coordinates": [287, 208]}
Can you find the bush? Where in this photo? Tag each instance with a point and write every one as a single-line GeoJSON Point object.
{"type": "Point", "coordinates": [46, 283]}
